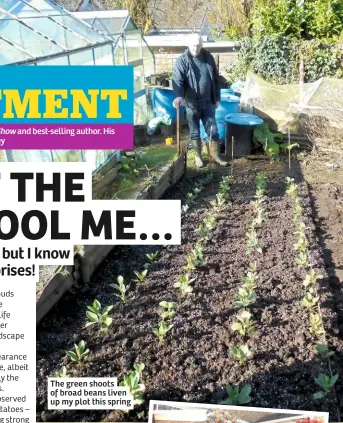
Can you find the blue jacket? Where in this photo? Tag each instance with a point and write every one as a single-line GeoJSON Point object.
{"type": "Point", "coordinates": [184, 81]}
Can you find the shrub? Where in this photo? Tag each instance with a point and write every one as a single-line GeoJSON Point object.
{"type": "Point", "coordinates": [322, 58]}
{"type": "Point", "coordinates": [284, 17]}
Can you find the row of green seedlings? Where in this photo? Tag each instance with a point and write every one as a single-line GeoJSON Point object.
{"type": "Point", "coordinates": [244, 326]}
{"type": "Point", "coordinates": [310, 301]}
{"type": "Point", "coordinates": [253, 243]}
{"type": "Point", "coordinates": [166, 309]}
{"type": "Point", "coordinates": [193, 196]}
{"type": "Point", "coordinates": [194, 258]}
{"type": "Point", "coordinates": [246, 293]}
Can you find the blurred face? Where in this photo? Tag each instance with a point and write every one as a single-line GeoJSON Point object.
{"type": "Point", "coordinates": [194, 44]}
{"type": "Point", "coordinates": [195, 49]}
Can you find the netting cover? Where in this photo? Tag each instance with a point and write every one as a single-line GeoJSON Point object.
{"type": "Point", "coordinates": [302, 108]}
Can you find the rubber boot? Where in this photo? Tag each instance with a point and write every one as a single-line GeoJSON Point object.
{"type": "Point", "coordinates": [197, 151]}
{"type": "Point", "coordinates": [208, 151]}
{"type": "Point", "coordinates": [215, 154]}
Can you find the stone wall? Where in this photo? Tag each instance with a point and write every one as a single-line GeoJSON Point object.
{"type": "Point", "coordinates": [166, 58]}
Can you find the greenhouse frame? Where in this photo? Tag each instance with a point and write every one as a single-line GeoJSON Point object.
{"type": "Point", "coordinates": [41, 33]}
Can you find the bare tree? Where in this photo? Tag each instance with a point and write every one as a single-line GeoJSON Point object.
{"type": "Point", "coordinates": [233, 15]}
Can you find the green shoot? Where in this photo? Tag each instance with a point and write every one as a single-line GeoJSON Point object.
{"type": "Point", "coordinates": [309, 301]}
{"type": "Point", "coordinates": [259, 194]}
{"type": "Point", "coordinates": [256, 205]}
{"type": "Point", "coordinates": [184, 284]}
{"type": "Point", "coordinates": [323, 351]}
{"type": "Point", "coordinates": [244, 297]}
{"type": "Point", "coordinates": [252, 241]}
{"type": "Point", "coordinates": [184, 209]}
{"type": "Point", "coordinates": [249, 283]}
{"type": "Point", "coordinates": [197, 190]}
{"type": "Point", "coordinates": [122, 288]}
{"type": "Point", "coordinates": [141, 276]}
{"type": "Point", "coordinates": [311, 278]}
{"type": "Point", "coordinates": [297, 209]}
{"type": "Point", "coordinates": [80, 355]}
{"type": "Point", "coordinates": [132, 381]}
{"type": "Point", "coordinates": [191, 262]}
{"type": "Point", "coordinates": [253, 267]}
{"type": "Point", "coordinates": [326, 383]}
{"type": "Point", "coordinates": [195, 258]}
{"type": "Point", "coordinates": [152, 257]}
{"type": "Point", "coordinates": [62, 372]}
{"type": "Point", "coordinates": [219, 202]}
{"type": "Point", "coordinates": [209, 222]}
{"type": "Point", "coordinates": [291, 187]}
{"type": "Point", "coordinates": [203, 232]}
{"type": "Point", "coordinates": [244, 326]}
{"type": "Point", "coordinates": [167, 310]}
{"type": "Point", "coordinates": [301, 245]}
{"type": "Point", "coordinates": [260, 218]}
{"type": "Point", "coordinates": [261, 180]}
{"type": "Point", "coordinates": [316, 324]}
{"type": "Point", "coordinates": [301, 260]}
{"type": "Point", "coordinates": [162, 330]}
{"type": "Point", "coordinates": [241, 354]}
{"type": "Point", "coordinates": [96, 315]}
{"type": "Point", "coordinates": [190, 197]}
{"type": "Point", "coordinates": [237, 396]}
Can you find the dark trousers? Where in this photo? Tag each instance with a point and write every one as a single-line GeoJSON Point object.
{"type": "Point", "coordinates": [205, 111]}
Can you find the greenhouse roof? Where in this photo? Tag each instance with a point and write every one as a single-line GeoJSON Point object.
{"type": "Point", "coordinates": [32, 29]}
{"type": "Point", "coordinates": [110, 22]}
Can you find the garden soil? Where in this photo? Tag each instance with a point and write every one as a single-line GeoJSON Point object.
{"type": "Point", "coordinates": [194, 364]}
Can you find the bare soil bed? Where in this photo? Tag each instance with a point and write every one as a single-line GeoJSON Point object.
{"type": "Point", "coordinates": [194, 364]}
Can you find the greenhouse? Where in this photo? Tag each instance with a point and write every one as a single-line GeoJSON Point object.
{"type": "Point", "coordinates": [41, 33]}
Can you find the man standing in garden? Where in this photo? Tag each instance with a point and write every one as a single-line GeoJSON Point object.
{"type": "Point", "coordinates": [196, 84]}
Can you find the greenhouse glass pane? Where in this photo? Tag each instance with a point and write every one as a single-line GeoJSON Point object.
{"type": "Point", "coordinates": [148, 59]}
{"type": "Point", "coordinates": [119, 53]}
{"type": "Point", "coordinates": [138, 73]}
{"type": "Point", "coordinates": [140, 108]}
{"type": "Point", "coordinates": [46, 7]}
{"type": "Point", "coordinates": [54, 31]}
{"type": "Point", "coordinates": [32, 155]}
{"type": "Point", "coordinates": [34, 43]}
{"type": "Point", "coordinates": [148, 68]}
{"type": "Point", "coordinates": [11, 6]}
{"type": "Point", "coordinates": [22, 11]}
{"type": "Point", "coordinates": [81, 28]}
{"type": "Point", "coordinates": [9, 54]}
{"type": "Point", "coordinates": [101, 157]}
{"type": "Point", "coordinates": [109, 25]}
{"type": "Point", "coordinates": [133, 46]}
{"type": "Point", "coordinates": [58, 61]}
{"type": "Point", "coordinates": [130, 26]}
{"type": "Point", "coordinates": [147, 53]}
{"type": "Point", "coordinates": [104, 55]}
{"type": "Point", "coordinates": [83, 58]}
{"type": "Point", "coordinates": [67, 155]}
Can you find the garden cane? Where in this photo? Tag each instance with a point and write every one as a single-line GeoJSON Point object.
{"type": "Point", "coordinates": [289, 149]}
{"type": "Point", "coordinates": [233, 142]}
{"type": "Point", "coordinates": [210, 160]}
{"type": "Point", "coordinates": [178, 130]}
